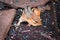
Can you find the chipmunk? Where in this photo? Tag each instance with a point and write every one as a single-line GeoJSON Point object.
{"type": "Point", "coordinates": [32, 16]}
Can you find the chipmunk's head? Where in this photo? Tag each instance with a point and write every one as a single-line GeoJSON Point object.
{"type": "Point", "coordinates": [36, 17]}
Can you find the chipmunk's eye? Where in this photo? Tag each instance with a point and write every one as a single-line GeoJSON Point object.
{"type": "Point", "coordinates": [35, 22]}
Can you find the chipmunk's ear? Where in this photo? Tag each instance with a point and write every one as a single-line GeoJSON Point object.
{"type": "Point", "coordinates": [36, 11]}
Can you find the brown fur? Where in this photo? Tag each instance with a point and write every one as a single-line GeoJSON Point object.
{"type": "Point", "coordinates": [34, 20]}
